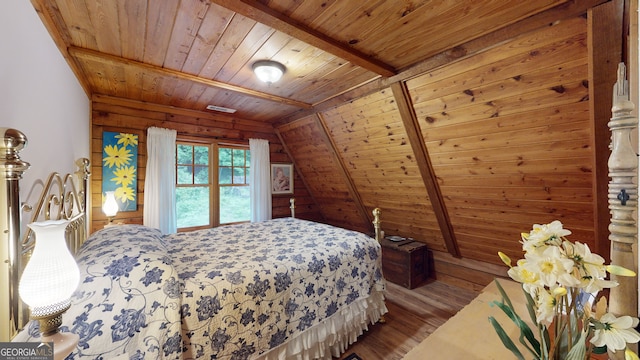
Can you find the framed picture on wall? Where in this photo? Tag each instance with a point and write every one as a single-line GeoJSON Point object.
{"type": "Point", "coordinates": [120, 168]}
{"type": "Point", "coordinates": [282, 178]}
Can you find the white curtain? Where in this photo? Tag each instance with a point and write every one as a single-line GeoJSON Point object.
{"type": "Point", "coordinates": [160, 180]}
{"type": "Point", "coordinates": [260, 180]}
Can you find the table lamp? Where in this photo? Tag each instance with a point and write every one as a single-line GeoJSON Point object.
{"type": "Point", "coordinates": [47, 283]}
{"type": "Point", "coordinates": [110, 206]}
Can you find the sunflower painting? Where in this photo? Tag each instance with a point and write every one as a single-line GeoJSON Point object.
{"type": "Point", "coordinates": [120, 168]}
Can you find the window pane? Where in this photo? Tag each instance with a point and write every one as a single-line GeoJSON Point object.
{"type": "Point", "coordinates": [201, 155]}
{"type": "Point", "coordinates": [238, 175]}
{"type": "Point", "coordinates": [234, 204]}
{"type": "Point", "coordinates": [185, 175]}
{"type": "Point", "coordinates": [224, 176]}
{"type": "Point", "coordinates": [184, 154]}
{"type": "Point", "coordinates": [248, 156]}
{"type": "Point", "coordinates": [238, 157]}
{"type": "Point", "coordinates": [192, 206]}
{"type": "Point", "coordinates": [224, 157]}
{"type": "Point", "coordinates": [201, 175]}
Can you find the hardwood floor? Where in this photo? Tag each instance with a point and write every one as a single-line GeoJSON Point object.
{"type": "Point", "coordinates": [413, 315]}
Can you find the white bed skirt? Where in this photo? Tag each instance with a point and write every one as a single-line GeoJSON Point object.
{"type": "Point", "coordinates": [332, 337]}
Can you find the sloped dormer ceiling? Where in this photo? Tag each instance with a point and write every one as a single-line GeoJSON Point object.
{"type": "Point", "coordinates": [193, 53]}
{"type": "Point", "coordinates": [465, 121]}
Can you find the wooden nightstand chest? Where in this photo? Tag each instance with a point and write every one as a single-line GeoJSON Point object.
{"type": "Point", "coordinates": [404, 262]}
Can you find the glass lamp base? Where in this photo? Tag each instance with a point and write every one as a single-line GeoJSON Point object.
{"type": "Point", "coordinates": [63, 343]}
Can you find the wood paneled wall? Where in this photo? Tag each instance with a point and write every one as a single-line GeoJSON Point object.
{"type": "Point", "coordinates": [323, 174]}
{"type": "Point", "coordinates": [510, 140]}
{"type": "Point", "coordinates": [115, 114]}
{"type": "Point", "coordinates": [370, 137]}
{"type": "Point", "coordinates": [467, 156]}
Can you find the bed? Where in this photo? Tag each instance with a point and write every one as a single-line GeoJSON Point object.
{"type": "Point", "coordinates": [278, 289]}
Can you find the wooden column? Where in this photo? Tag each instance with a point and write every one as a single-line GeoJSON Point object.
{"type": "Point", "coordinates": [623, 198]}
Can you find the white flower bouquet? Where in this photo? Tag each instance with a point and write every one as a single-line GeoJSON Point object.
{"type": "Point", "coordinates": [560, 282]}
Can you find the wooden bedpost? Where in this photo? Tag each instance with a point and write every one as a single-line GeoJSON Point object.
{"type": "Point", "coordinates": [11, 168]}
{"type": "Point", "coordinates": [623, 199]}
{"type": "Point", "coordinates": [292, 201]}
{"type": "Point", "coordinates": [376, 224]}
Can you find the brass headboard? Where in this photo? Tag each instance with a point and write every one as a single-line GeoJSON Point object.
{"type": "Point", "coordinates": [61, 197]}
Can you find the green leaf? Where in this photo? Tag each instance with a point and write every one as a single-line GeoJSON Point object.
{"type": "Point", "coordinates": [508, 343]}
{"type": "Point", "coordinates": [579, 349]}
{"type": "Point", "coordinates": [505, 298]}
{"type": "Point", "coordinates": [530, 306]}
{"type": "Point", "coordinates": [525, 330]}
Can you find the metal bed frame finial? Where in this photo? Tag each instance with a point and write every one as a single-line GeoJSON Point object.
{"type": "Point", "coordinates": [292, 201]}
{"type": "Point", "coordinates": [379, 234]}
{"type": "Point", "coordinates": [62, 197]}
{"type": "Point", "coordinates": [11, 168]}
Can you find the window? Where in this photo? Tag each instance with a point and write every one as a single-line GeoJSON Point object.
{"type": "Point", "coordinates": [210, 192]}
{"type": "Point", "coordinates": [193, 186]}
{"type": "Point", "coordinates": [233, 183]}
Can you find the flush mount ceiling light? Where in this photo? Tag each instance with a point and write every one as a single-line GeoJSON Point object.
{"type": "Point", "coordinates": [268, 71]}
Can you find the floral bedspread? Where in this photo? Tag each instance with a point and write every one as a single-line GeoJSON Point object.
{"type": "Point", "coordinates": [128, 300]}
{"type": "Point", "coordinates": [248, 288]}
{"type": "Point", "coordinates": [233, 292]}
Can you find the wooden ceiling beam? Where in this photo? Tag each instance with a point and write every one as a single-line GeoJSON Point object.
{"type": "Point", "coordinates": [366, 216]}
{"type": "Point", "coordinates": [88, 54]}
{"type": "Point", "coordinates": [263, 14]}
{"type": "Point", "coordinates": [412, 126]}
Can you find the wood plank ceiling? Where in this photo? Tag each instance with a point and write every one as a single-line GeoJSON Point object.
{"type": "Point", "coordinates": [193, 53]}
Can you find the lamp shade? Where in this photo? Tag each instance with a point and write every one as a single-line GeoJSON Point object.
{"type": "Point", "coordinates": [268, 71]}
{"type": "Point", "coordinates": [51, 275]}
{"type": "Point", "coordinates": [110, 206]}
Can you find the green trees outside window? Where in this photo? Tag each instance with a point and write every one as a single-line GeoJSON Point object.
{"type": "Point", "coordinates": [204, 185]}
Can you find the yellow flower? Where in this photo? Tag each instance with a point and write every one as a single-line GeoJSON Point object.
{"type": "Point", "coordinates": [124, 193]}
{"type": "Point", "coordinates": [615, 332]}
{"type": "Point", "coordinates": [619, 270]}
{"type": "Point", "coordinates": [116, 156]}
{"type": "Point", "coordinates": [124, 175]}
{"type": "Point", "coordinates": [505, 259]}
{"type": "Point", "coordinates": [127, 139]}
{"type": "Point", "coordinates": [552, 267]}
{"type": "Point", "coordinates": [559, 292]}
{"type": "Point", "coordinates": [552, 233]}
{"type": "Point", "coordinates": [630, 355]}
{"type": "Point", "coordinates": [556, 274]}
{"type": "Point", "coordinates": [530, 280]}
{"type": "Point", "coordinates": [546, 305]}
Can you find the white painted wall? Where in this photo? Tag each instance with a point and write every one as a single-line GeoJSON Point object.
{"type": "Point", "coordinates": [634, 95]}
{"type": "Point", "coordinates": [40, 95]}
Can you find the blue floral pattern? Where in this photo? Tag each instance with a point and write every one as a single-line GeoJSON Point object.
{"type": "Point", "coordinates": [128, 300]}
{"type": "Point", "coordinates": [232, 292]}
{"type": "Point", "coordinates": [285, 276]}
